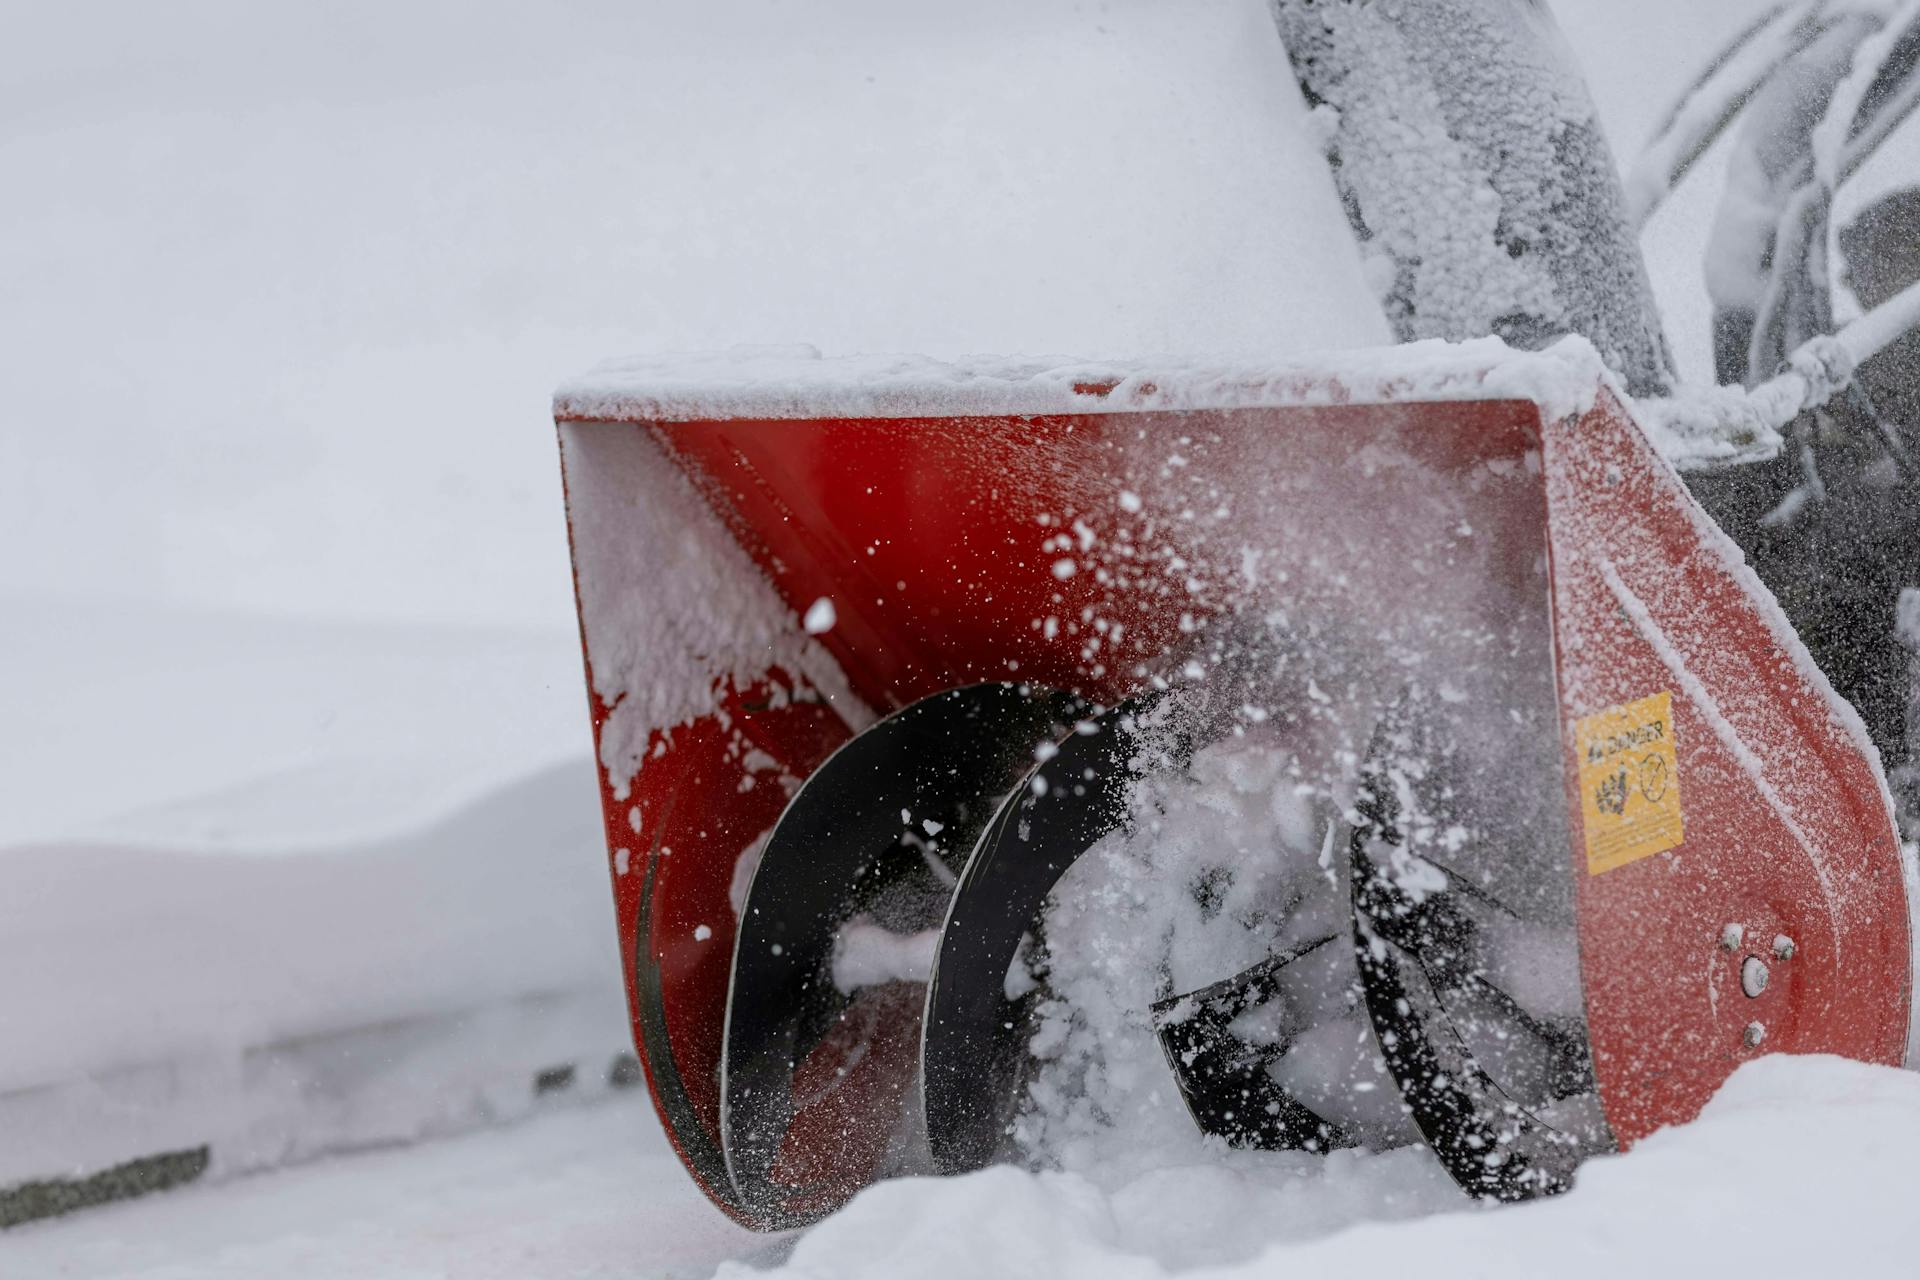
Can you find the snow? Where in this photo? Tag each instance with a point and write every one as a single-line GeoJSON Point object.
{"type": "Point", "coordinates": [241, 733]}
{"type": "Point", "coordinates": [293, 287]}
{"type": "Point", "coordinates": [757, 383]}
{"type": "Point", "coordinates": [1708, 426]}
{"type": "Point", "coordinates": [280, 888]}
{"type": "Point", "coordinates": [288, 638]}
{"type": "Point", "coordinates": [290, 888]}
{"type": "Point", "coordinates": [1124, 923]}
{"type": "Point", "coordinates": [202, 949]}
{"type": "Point", "coordinates": [820, 617]}
{"type": "Point", "coordinates": [866, 954]}
{"type": "Point", "coordinates": [672, 609]}
{"type": "Point", "coordinates": [578, 1193]}
{"type": "Point", "coordinates": [1799, 1166]}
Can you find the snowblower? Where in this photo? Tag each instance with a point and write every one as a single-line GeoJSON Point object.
{"type": "Point", "coordinates": [1397, 731]}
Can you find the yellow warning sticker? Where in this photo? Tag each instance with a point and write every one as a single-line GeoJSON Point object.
{"type": "Point", "coordinates": [1629, 782]}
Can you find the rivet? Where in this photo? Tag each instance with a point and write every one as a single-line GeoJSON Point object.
{"type": "Point", "coordinates": [1731, 936]}
{"type": "Point", "coordinates": [1754, 1034]}
{"type": "Point", "coordinates": [1783, 947]}
{"type": "Point", "coordinates": [1753, 976]}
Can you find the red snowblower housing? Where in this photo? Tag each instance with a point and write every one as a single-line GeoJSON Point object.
{"type": "Point", "coordinates": [877, 649]}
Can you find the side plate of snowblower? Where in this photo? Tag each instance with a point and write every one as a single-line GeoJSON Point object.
{"type": "Point", "coordinates": [1599, 829]}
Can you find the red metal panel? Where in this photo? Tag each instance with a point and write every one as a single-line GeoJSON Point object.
{"type": "Point", "coordinates": [673, 842]}
{"type": "Point", "coordinates": [937, 540]}
{"type": "Point", "coordinates": [933, 536]}
{"type": "Point", "coordinates": [1788, 832]}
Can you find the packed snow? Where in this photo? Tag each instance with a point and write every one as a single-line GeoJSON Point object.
{"type": "Point", "coordinates": [757, 383]}
{"type": "Point", "coordinates": [1801, 1166]}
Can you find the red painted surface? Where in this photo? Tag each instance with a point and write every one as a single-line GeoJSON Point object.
{"type": "Point", "coordinates": [937, 541]}
{"type": "Point", "coordinates": [690, 811]}
{"type": "Point", "coordinates": [1664, 1003]}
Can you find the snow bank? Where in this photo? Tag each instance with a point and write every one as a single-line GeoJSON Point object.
{"type": "Point", "coordinates": [281, 888]}
{"type": "Point", "coordinates": [118, 954]}
{"type": "Point", "coordinates": [278, 1006]}
{"type": "Point", "coordinates": [1799, 1166]}
{"type": "Point", "coordinates": [130, 724]}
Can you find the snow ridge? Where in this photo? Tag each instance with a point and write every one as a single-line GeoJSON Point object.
{"type": "Point", "coordinates": [799, 382]}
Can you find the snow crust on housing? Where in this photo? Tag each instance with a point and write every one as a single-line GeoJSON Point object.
{"type": "Point", "coordinates": [799, 382]}
{"type": "Point", "coordinates": [667, 631]}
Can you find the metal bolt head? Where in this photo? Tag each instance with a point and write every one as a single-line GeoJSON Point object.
{"type": "Point", "coordinates": [1731, 936]}
{"type": "Point", "coordinates": [1754, 1034]}
{"type": "Point", "coordinates": [1753, 976]}
{"type": "Point", "coordinates": [1783, 948]}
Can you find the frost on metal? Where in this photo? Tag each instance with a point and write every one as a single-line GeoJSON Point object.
{"type": "Point", "coordinates": [665, 632]}
{"type": "Point", "coordinates": [1474, 171]}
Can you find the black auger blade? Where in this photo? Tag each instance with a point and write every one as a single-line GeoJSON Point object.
{"type": "Point", "coordinates": [974, 1060]}
{"type": "Point", "coordinates": [1420, 969]}
{"type": "Point", "coordinates": [816, 1084]}
{"type": "Point", "coordinates": [1226, 1082]}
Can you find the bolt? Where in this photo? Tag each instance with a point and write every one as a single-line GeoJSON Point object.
{"type": "Point", "coordinates": [1754, 1034]}
{"type": "Point", "coordinates": [1783, 947]}
{"type": "Point", "coordinates": [1731, 936]}
{"type": "Point", "coordinates": [1753, 976]}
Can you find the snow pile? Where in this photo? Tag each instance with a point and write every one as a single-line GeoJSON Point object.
{"type": "Point", "coordinates": [279, 1005]}
{"type": "Point", "coordinates": [197, 950]}
{"type": "Point", "coordinates": [282, 888]}
{"type": "Point", "coordinates": [1799, 1166]}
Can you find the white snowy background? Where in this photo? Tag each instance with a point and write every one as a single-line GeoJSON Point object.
{"type": "Point", "coordinates": [292, 733]}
